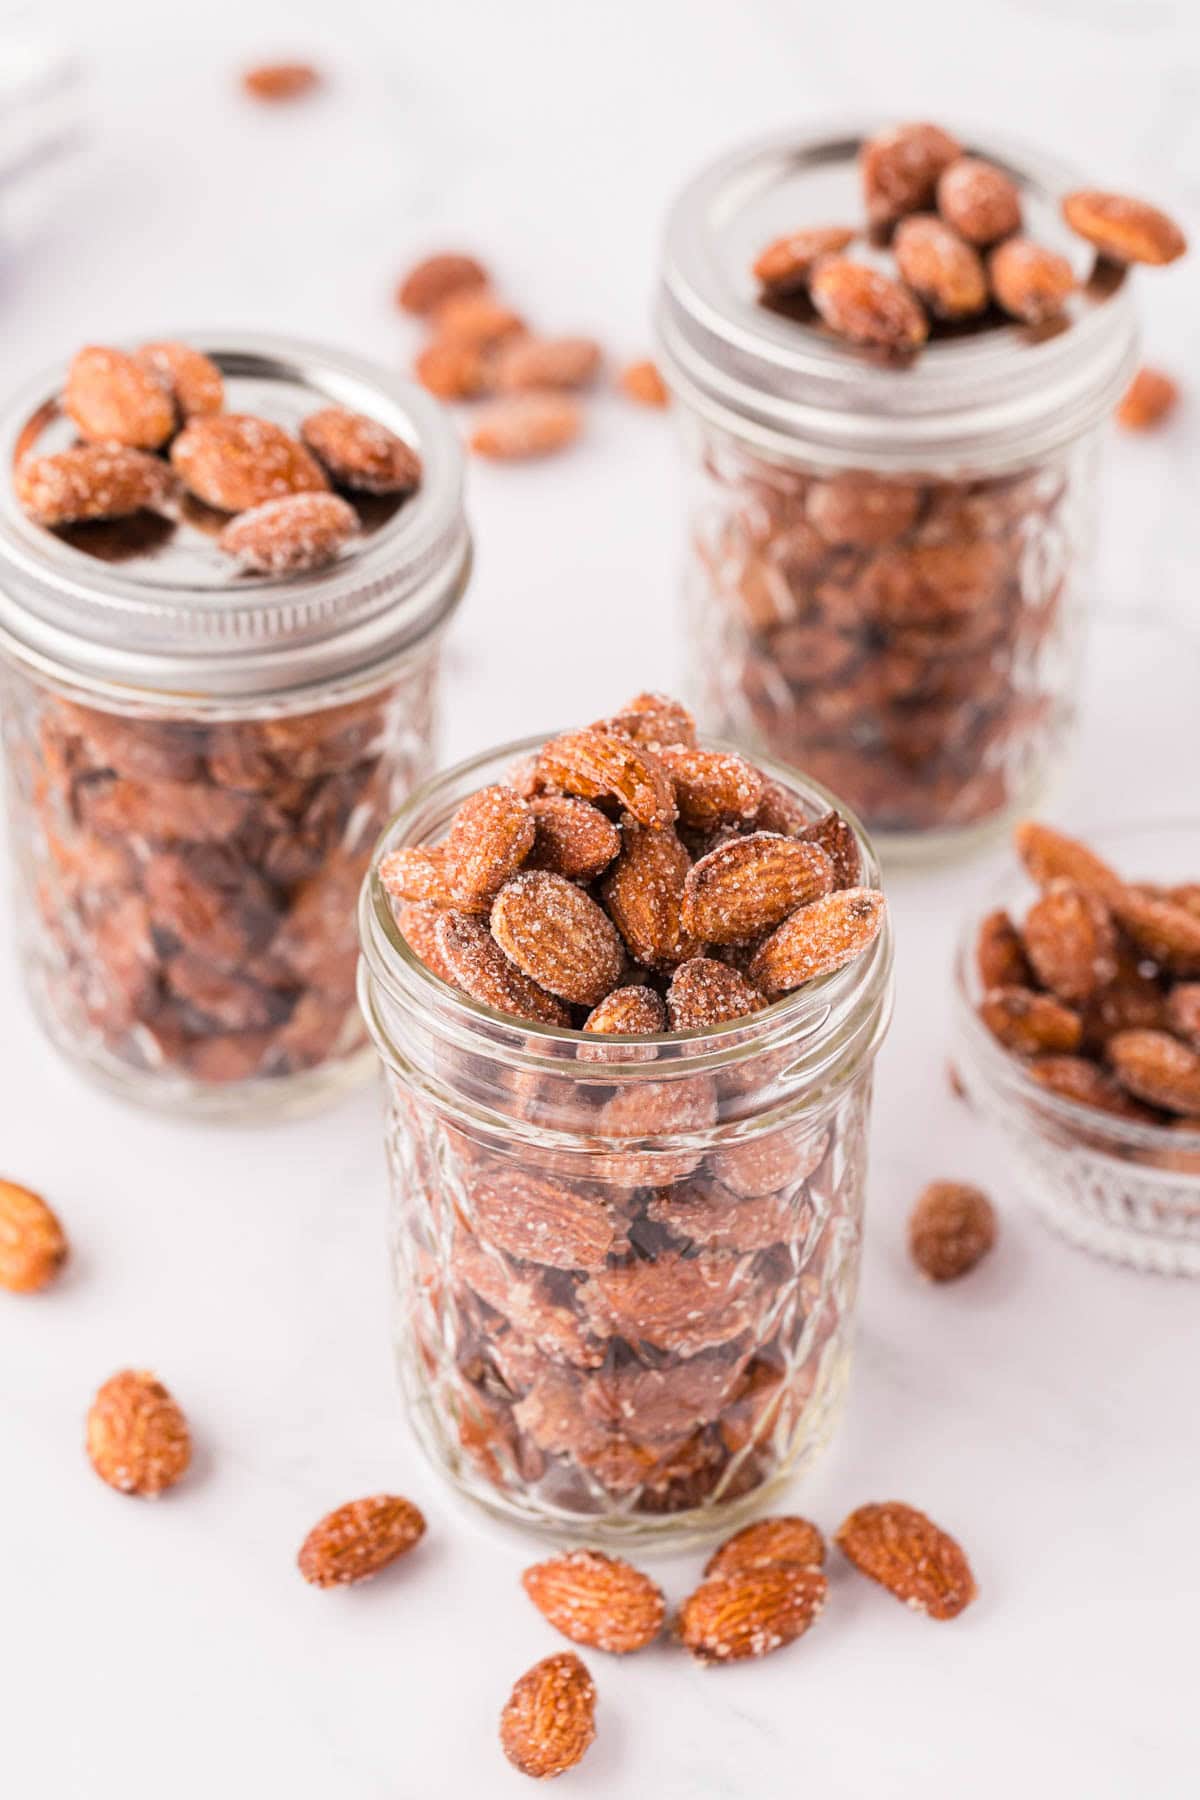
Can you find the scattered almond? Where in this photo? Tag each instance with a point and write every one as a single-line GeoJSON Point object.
{"type": "Point", "coordinates": [597, 1600]}
{"type": "Point", "coordinates": [476, 317]}
{"type": "Point", "coordinates": [534, 363]}
{"type": "Point", "coordinates": [642, 383]}
{"type": "Point", "coordinates": [280, 81]}
{"type": "Point", "coordinates": [952, 1227]}
{"type": "Point", "coordinates": [137, 1437]}
{"type": "Point", "coordinates": [452, 371]}
{"type": "Point", "coordinates": [526, 425]}
{"type": "Point", "coordinates": [786, 1539]}
{"type": "Point", "coordinates": [751, 1612]}
{"type": "Point", "coordinates": [33, 1245]}
{"type": "Point", "coordinates": [435, 279]}
{"type": "Point", "coordinates": [909, 1555]}
{"type": "Point", "coordinates": [355, 1541]}
{"type": "Point", "coordinates": [1148, 401]}
{"type": "Point", "coordinates": [549, 1718]}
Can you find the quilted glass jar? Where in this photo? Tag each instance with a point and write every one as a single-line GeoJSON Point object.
{"type": "Point", "coordinates": [888, 566]}
{"type": "Point", "coordinates": [199, 762]}
{"type": "Point", "coordinates": [625, 1268]}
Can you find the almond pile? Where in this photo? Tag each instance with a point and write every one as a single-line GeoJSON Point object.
{"type": "Point", "coordinates": [762, 1589]}
{"type": "Point", "coordinates": [480, 349]}
{"type": "Point", "coordinates": [953, 222]}
{"type": "Point", "coordinates": [648, 1323]}
{"type": "Point", "coordinates": [166, 401]}
{"type": "Point", "coordinates": [1098, 989]}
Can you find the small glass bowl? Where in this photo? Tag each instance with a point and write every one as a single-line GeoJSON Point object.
{"type": "Point", "coordinates": [1123, 1190]}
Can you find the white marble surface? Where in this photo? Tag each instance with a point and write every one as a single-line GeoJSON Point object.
{"type": "Point", "coordinates": [1046, 1410]}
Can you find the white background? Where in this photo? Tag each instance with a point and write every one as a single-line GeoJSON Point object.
{"type": "Point", "coordinates": [1046, 1409]}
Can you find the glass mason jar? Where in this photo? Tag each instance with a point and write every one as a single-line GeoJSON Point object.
{"type": "Point", "coordinates": [626, 1267]}
{"type": "Point", "coordinates": [199, 762]}
{"type": "Point", "coordinates": [888, 566]}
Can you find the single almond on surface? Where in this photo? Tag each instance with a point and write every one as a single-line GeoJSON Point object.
{"type": "Point", "coordinates": [526, 425]}
{"type": "Point", "coordinates": [569, 362]}
{"type": "Point", "coordinates": [355, 1541]}
{"type": "Point", "coordinates": [940, 267]}
{"type": "Point", "coordinates": [289, 535]}
{"type": "Point", "coordinates": [91, 481]}
{"type": "Point", "coordinates": [33, 1245]}
{"type": "Point", "coordinates": [900, 169]}
{"type": "Point", "coordinates": [980, 201]}
{"type": "Point", "coordinates": [360, 453]}
{"type": "Point", "coordinates": [234, 461]}
{"type": "Point", "coordinates": [478, 318]}
{"type": "Point", "coordinates": [1148, 401]}
{"type": "Point", "coordinates": [137, 1437]}
{"type": "Point", "coordinates": [1030, 282]}
{"type": "Point", "coordinates": [744, 888]}
{"type": "Point", "coordinates": [642, 383]}
{"type": "Point", "coordinates": [452, 371]}
{"type": "Point", "coordinates": [597, 1600]}
{"type": "Point", "coordinates": [432, 281]}
{"type": "Point", "coordinates": [1124, 229]}
{"type": "Point", "coordinates": [951, 1228]}
{"type": "Point", "coordinates": [558, 936]}
{"type": "Point", "coordinates": [787, 1539]}
{"type": "Point", "coordinates": [785, 266]}
{"type": "Point", "coordinates": [817, 939]}
{"type": "Point", "coordinates": [859, 303]}
{"type": "Point", "coordinates": [549, 1718]}
{"type": "Point", "coordinates": [909, 1555]}
{"type": "Point", "coordinates": [113, 398]}
{"type": "Point", "coordinates": [751, 1611]}
{"type": "Point", "coordinates": [194, 380]}
{"type": "Point", "coordinates": [280, 81]}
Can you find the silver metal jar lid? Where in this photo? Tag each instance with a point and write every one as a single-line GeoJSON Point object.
{"type": "Point", "coordinates": [999, 397]}
{"type": "Point", "coordinates": [152, 605]}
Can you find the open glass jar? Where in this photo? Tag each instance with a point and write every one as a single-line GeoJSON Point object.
{"type": "Point", "coordinates": [888, 566]}
{"type": "Point", "coordinates": [626, 1267]}
{"type": "Point", "coordinates": [198, 763]}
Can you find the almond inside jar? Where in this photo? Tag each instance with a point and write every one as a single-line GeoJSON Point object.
{"type": "Point", "coordinates": [197, 779]}
{"type": "Point", "coordinates": [620, 1309]}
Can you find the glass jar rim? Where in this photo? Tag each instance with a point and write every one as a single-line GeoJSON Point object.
{"type": "Point", "coordinates": [996, 400]}
{"type": "Point", "coordinates": [858, 992]}
{"type": "Point", "coordinates": [1001, 1070]}
{"type": "Point", "coordinates": [114, 628]}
